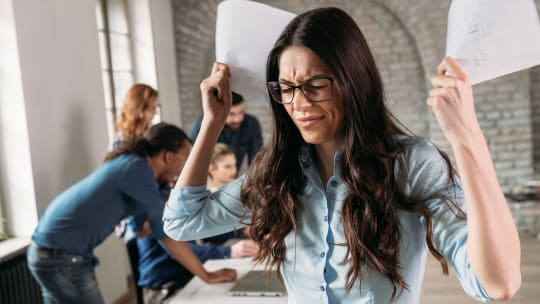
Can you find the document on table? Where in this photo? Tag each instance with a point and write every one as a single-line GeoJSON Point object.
{"type": "Point", "coordinates": [245, 33]}
{"type": "Point", "coordinates": [491, 38]}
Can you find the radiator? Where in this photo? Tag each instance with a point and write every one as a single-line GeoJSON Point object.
{"type": "Point", "coordinates": [17, 286]}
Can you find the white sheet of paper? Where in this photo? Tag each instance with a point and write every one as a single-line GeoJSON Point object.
{"type": "Point", "coordinates": [491, 38]}
{"type": "Point", "coordinates": [245, 33]}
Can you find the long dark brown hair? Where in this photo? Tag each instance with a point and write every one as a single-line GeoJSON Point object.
{"type": "Point", "coordinates": [160, 137]}
{"type": "Point", "coordinates": [371, 154]}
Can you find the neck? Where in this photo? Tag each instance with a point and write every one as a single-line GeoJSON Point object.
{"type": "Point", "coordinates": [216, 182]}
{"type": "Point", "coordinates": [212, 184]}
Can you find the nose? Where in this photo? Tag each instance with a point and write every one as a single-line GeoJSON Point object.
{"type": "Point", "coordinates": [300, 100]}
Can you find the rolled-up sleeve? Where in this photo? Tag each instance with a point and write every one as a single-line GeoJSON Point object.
{"type": "Point", "coordinates": [450, 237]}
{"type": "Point", "coordinates": [194, 213]}
{"type": "Point", "coordinates": [427, 174]}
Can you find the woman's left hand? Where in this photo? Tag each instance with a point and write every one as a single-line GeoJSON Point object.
{"type": "Point", "coordinates": [452, 102]}
{"type": "Point", "coordinates": [493, 245]}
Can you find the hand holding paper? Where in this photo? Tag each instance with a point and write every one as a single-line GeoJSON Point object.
{"type": "Point", "coordinates": [245, 34]}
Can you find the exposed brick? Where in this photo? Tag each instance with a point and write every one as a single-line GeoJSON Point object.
{"type": "Point", "coordinates": [408, 42]}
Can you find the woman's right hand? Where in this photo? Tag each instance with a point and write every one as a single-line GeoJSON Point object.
{"type": "Point", "coordinates": [220, 276]}
{"type": "Point", "coordinates": [216, 94]}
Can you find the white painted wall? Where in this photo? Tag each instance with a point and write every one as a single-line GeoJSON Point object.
{"type": "Point", "coordinates": [53, 123]}
{"type": "Point", "coordinates": [52, 111]}
{"type": "Point", "coordinates": [143, 46]}
{"type": "Point", "coordinates": [17, 191]}
{"type": "Point", "coordinates": [154, 52]}
{"type": "Point", "coordinates": [161, 16]}
{"type": "Point", "coordinates": [63, 92]}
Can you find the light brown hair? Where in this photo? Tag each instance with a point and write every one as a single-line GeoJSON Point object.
{"type": "Point", "coordinates": [220, 150]}
{"type": "Point", "coordinates": [130, 122]}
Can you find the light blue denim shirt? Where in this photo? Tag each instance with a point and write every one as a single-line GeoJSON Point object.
{"type": "Point", "coordinates": [313, 271]}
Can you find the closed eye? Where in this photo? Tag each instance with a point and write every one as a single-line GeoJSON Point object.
{"type": "Point", "coordinates": [315, 87]}
{"type": "Point", "coordinates": [286, 90]}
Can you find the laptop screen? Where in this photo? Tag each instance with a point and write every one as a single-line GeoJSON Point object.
{"type": "Point", "coordinates": [257, 284]}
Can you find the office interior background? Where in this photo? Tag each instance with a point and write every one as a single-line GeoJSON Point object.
{"type": "Point", "coordinates": [66, 65]}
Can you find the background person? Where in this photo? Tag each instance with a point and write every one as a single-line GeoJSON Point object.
{"type": "Point", "coordinates": [242, 131]}
{"type": "Point", "coordinates": [222, 169]}
{"type": "Point", "coordinates": [159, 268]}
{"type": "Point", "coordinates": [343, 202]}
{"type": "Point", "coordinates": [138, 111]}
{"type": "Point", "coordinates": [162, 274]}
{"type": "Point", "coordinates": [61, 256]}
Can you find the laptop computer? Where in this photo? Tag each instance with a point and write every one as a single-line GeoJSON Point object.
{"type": "Point", "coordinates": [256, 284]}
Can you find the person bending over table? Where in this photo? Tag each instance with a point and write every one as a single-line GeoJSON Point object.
{"type": "Point", "coordinates": [61, 256]}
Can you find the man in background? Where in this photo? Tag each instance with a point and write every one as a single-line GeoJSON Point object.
{"type": "Point", "coordinates": [242, 131]}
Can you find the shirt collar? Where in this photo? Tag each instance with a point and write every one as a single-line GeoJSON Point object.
{"type": "Point", "coordinates": [306, 157]}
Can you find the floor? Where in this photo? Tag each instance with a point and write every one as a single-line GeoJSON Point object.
{"type": "Point", "coordinates": [440, 289]}
{"type": "Point", "coordinates": [446, 290]}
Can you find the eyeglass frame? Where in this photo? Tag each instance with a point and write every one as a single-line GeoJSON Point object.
{"type": "Point", "coordinates": [300, 86]}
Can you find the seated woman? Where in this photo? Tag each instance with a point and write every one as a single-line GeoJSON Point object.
{"type": "Point", "coordinates": [222, 170]}
{"type": "Point", "coordinates": [61, 256]}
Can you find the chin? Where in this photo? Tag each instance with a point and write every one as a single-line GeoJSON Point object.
{"type": "Point", "coordinates": [162, 181]}
{"type": "Point", "coordinates": [234, 127]}
{"type": "Point", "coordinates": [312, 139]}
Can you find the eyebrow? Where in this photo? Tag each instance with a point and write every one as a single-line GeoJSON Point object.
{"type": "Point", "coordinates": [285, 81]}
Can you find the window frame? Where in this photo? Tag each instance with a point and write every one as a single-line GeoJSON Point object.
{"type": "Point", "coordinates": [109, 72]}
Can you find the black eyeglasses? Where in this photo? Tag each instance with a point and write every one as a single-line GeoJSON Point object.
{"type": "Point", "coordinates": [316, 89]}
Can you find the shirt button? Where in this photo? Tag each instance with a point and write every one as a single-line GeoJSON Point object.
{"type": "Point", "coordinates": [322, 254]}
{"type": "Point", "coordinates": [333, 183]}
{"type": "Point", "coordinates": [324, 270]}
{"type": "Point", "coordinates": [326, 218]}
{"type": "Point", "coordinates": [322, 288]}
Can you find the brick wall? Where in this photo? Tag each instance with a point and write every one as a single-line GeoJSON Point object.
{"type": "Point", "coordinates": [408, 41]}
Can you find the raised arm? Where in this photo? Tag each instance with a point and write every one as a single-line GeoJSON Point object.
{"type": "Point", "coordinates": [493, 244]}
{"type": "Point", "coordinates": [191, 212]}
{"type": "Point", "coordinates": [216, 102]}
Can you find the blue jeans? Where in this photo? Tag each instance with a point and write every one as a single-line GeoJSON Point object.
{"type": "Point", "coordinates": [64, 277]}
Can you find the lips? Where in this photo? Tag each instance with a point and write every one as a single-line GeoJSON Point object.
{"type": "Point", "coordinates": [309, 121]}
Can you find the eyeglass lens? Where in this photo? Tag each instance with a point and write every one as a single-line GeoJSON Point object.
{"type": "Point", "coordinates": [318, 89]}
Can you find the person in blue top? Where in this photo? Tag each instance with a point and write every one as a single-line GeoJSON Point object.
{"type": "Point", "coordinates": [242, 132]}
{"type": "Point", "coordinates": [158, 268]}
{"type": "Point", "coordinates": [343, 202]}
{"type": "Point", "coordinates": [61, 255]}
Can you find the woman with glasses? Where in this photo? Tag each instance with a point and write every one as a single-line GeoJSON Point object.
{"type": "Point", "coordinates": [344, 202]}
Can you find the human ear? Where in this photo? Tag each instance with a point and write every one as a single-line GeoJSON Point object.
{"type": "Point", "coordinates": [211, 169]}
{"type": "Point", "coordinates": [167, 156]}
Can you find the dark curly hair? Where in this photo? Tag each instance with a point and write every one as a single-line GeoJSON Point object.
{"type": "Point", "coordinates": [159, 137]}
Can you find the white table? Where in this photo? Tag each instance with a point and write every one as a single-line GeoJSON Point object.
{"type": "Point", "coordinates": [197, 291]}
